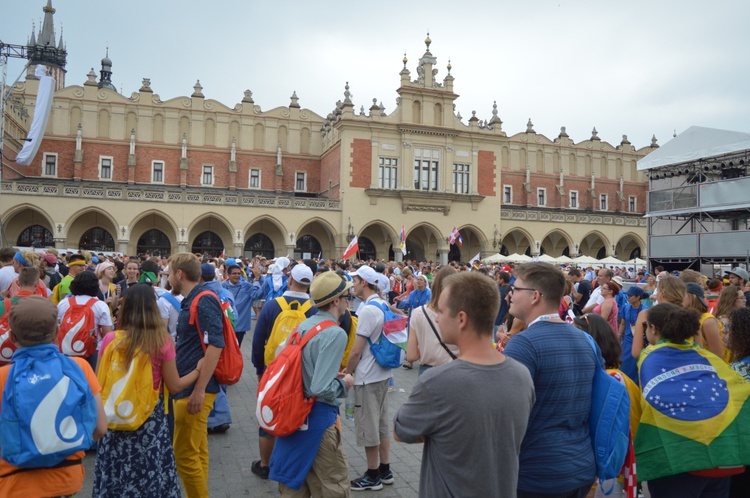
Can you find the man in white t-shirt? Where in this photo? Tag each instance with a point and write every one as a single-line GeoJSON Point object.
{"type": "Point", "coordinates": [371, 385]}
{"type": "Point", "coordinates": [8, 271]}
{"type": "Point", "coordinates": [603, 277]}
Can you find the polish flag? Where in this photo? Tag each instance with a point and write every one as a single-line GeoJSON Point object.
{"type": "Point", "coordinates": [352, 249]}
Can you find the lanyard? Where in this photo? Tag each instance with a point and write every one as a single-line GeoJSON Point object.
{"type": "Point", "coordinates": [544, 318]}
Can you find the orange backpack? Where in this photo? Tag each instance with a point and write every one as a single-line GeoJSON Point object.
{"type": "Point", "coordinates": [77, 333]}
{"type": "Point", "coordinates": [282, 407]}
{"type": "Point", "coordinates": [229, 369]}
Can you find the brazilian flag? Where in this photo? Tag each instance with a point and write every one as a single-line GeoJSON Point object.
{"type": "Point", "coordinates": [696, 412]}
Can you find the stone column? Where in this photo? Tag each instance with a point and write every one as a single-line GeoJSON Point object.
{"type": "Point", "coordinates": [238, 249]}
{"type": "Point", "coordinates": [443, 259]}
{"type": "Point", "coordinates": [122, 246]}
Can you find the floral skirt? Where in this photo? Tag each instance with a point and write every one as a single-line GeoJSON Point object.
{"type": "Point", "coordinates": [137, 463]}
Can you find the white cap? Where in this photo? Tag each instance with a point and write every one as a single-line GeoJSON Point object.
{"type": "Point", "coordinates": [367, 274]}
{"type": "Point", "coordinates": [301, 273]}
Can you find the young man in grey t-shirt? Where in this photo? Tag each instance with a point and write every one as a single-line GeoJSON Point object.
{"type": "Point", "coordinates": [471, 413]}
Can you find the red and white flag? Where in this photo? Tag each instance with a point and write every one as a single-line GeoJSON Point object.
{"type": "Point", "coordinates": [352, 249]}
{"type": "Point", "coordinates": [454, 236]}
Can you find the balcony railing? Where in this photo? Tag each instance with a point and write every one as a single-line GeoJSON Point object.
{"type": "Point", "coordinates": [172, 195]}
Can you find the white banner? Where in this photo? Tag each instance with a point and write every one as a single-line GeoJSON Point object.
{"type": "Point", "coordinates": [42, 111]}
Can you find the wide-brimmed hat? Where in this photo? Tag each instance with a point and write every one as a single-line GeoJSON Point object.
{"type": "Point", "coordinates": [328, 286]}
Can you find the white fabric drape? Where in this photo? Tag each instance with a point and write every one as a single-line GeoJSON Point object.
{"type": "Point", "coordinates": [42, 111]}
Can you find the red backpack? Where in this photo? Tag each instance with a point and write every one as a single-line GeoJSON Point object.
{"type": "Point", "coordinates": [77, 332]}
{"type": "Point", "coordinates": [7, 346]}
{"type": "Point", "coordinates": [282, 407]}
{"type": "Point", "coordinates": [229, 369]}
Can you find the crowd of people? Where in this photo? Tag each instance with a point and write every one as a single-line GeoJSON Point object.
{"type": "Point", "coordinates": [504, 384]}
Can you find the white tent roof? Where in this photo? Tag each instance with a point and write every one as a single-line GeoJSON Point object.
{"type": "Point", "coordinates": [696, 143]}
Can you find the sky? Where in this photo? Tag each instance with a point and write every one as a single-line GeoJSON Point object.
{"type": "Point", "coordinates": [636, 68]}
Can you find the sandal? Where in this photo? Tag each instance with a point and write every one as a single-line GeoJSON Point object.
{"type": "Point", "coordinates": [407, 365]}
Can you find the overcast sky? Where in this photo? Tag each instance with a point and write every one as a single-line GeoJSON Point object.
{"type": "Point", "coordinates": [637, 68]}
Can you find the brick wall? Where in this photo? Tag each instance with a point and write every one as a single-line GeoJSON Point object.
{"type": "Point", "coordinates": [330, 171]}
{"type": "Point", "coordinates": [361, 164]}
{"type": "Point", "coordinates": [486, 179]}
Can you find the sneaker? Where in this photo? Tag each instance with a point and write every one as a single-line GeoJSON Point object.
{"type": "Point", "coordinates": [219, 429]}
{"type": "Point", "coordinates": [367, 483]}
{"type": "Point", "coordinates": [387, 478]}
{"type": "Point", "coordinates": [258, 470]}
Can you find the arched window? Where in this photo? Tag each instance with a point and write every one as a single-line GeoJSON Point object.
{"type": "Point", "coordinates": [154, 242]}
{"type": "Point", "coordinates": [97, 239]}
{"type": "Point", "coordinates": [208, 243]}
{"type": "Point", "coordinates": [259, 245]}
{"type": "Point", "coordinates": [366, 249]}
{"type": "Point", "coordinates": [36, 236]}
{"type": "Point", "coordinates": [307, 247]}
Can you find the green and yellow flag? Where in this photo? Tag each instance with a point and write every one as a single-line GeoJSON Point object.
{"type": "Point", "coordinates": [696, 412]}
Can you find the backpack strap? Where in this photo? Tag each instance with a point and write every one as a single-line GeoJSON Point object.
{"type": "Point", "coordinates": [194, 313]}
{"type": "Point", "coordinates": [6, 305]}
{"type": "Point", "coordinates": [314, 331]}
{"type": "Point", "coordinates": [283, 303]}
{"type": "Point", "coordinates": [171, 300]}
{"type": "Point", "coordinates": [450, 353]}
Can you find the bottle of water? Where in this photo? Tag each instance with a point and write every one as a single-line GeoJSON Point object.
{"type": "Point", "coordinates": [349, 410]}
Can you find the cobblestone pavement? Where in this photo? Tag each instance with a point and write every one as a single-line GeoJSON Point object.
{"type": "Point", "coordinates": [232, 453]}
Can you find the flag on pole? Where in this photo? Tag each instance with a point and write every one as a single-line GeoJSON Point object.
{"type": "Point", "coordinates": [460, 240]}
{"type": "Point", "coordinates": [351, 249]}
{"type": "Point", "coordinates": [453, 236]}
{"type": "Point", "coordinates": [403, 240]}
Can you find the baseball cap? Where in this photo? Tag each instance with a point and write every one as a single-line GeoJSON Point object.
{"type": "Point", "coordinates": [34, 320]}
{"type": "Point", "coordinates": [696, 290]}
{"type": "Point", "coordinates": [230, 262]}
{"type": "Point", "coordinates": [208, 272]}
{"type": "Point", "coordinates": [367, 274]}
{"type": "Point", "coordinates": [50, 258]}
{"type": "Point", "coordinates": [302, 274]}
{"type": "Point", "coordinates": [326, 287]}
{"type": "Point", "coordinates": [740, 272]}
{"type": "Point", "coordinates": [634, 291]}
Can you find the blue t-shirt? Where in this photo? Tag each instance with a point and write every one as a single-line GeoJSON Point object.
{"type": "Point", "coordinates": [503, 311]}
{"type": "Point", "coordinates": [188, 343]}
{"type": "Point", "coordinates": [556, 454]}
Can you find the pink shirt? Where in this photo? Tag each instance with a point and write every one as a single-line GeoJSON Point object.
{"type": "Point", "coordinates": [612, 318]}
{"type": "Point", "coordinates": [166, 353]}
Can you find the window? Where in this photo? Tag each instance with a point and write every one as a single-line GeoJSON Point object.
{"type": "Point", "coordinates": [541, 197]}
{"type": "Point", "coordinates": [632, 203]}
{"type": "Point", "coordinates": [105, 168]}
{"type": "Point", "coordinates": [573, 199]}
{"type": "Point", "coordinates": [208, 175]}
{"type": "Point", "coordinates": [507, 194]}
{"type": "Point", "coordinates": [50, 165]}
{"type": "Point", "coordinates": [387, 172]}
{"type": "Point", "coordinates": [603, 202]}
{"type": "Point", "coordinates": [300, 183]}
{"type": "Point", "coordinates": [254, 178]}
{"type": "Point", "coordinates": [157, 171]}
{"type": "Point", "coordinates": [461, 178]}
{"type": "Point", "coordinates": [426, 165]}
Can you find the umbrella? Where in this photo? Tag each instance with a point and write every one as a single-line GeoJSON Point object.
{"type": "Point", "coordinates": [519, 258]}
{"type": "Point", "coordinates": [611, 260]}
{"type": "Point", "coordinates": [546, 258]}
{"type": "Point", "coordinates": [563, 259]}
{"type": "Point", "coordinates": [585, 260]}
{"type": "Point", "coordinates": [495, 258]}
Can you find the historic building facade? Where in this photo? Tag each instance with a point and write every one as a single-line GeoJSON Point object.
{"type": "Point", "coordinates": [138, 173]}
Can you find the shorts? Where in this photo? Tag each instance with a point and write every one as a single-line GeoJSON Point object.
{"type": "Point", "coordinates": [258, 303]}
{"type": "Point", "coordinates": [371, 422]}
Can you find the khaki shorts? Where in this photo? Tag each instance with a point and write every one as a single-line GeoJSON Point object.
{"type": "Point", "coordinates": [371, 421]}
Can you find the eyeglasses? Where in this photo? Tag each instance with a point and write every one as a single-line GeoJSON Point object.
{"type": "Point", "coordinates": [515, 288]}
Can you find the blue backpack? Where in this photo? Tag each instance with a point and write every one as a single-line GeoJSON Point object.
{"type": "Point", "coordinates": [609, 422]}
{"type": "Point", "coordinates": [392, 341]}
{"type": "Point", "coordinates": [48, 409]}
